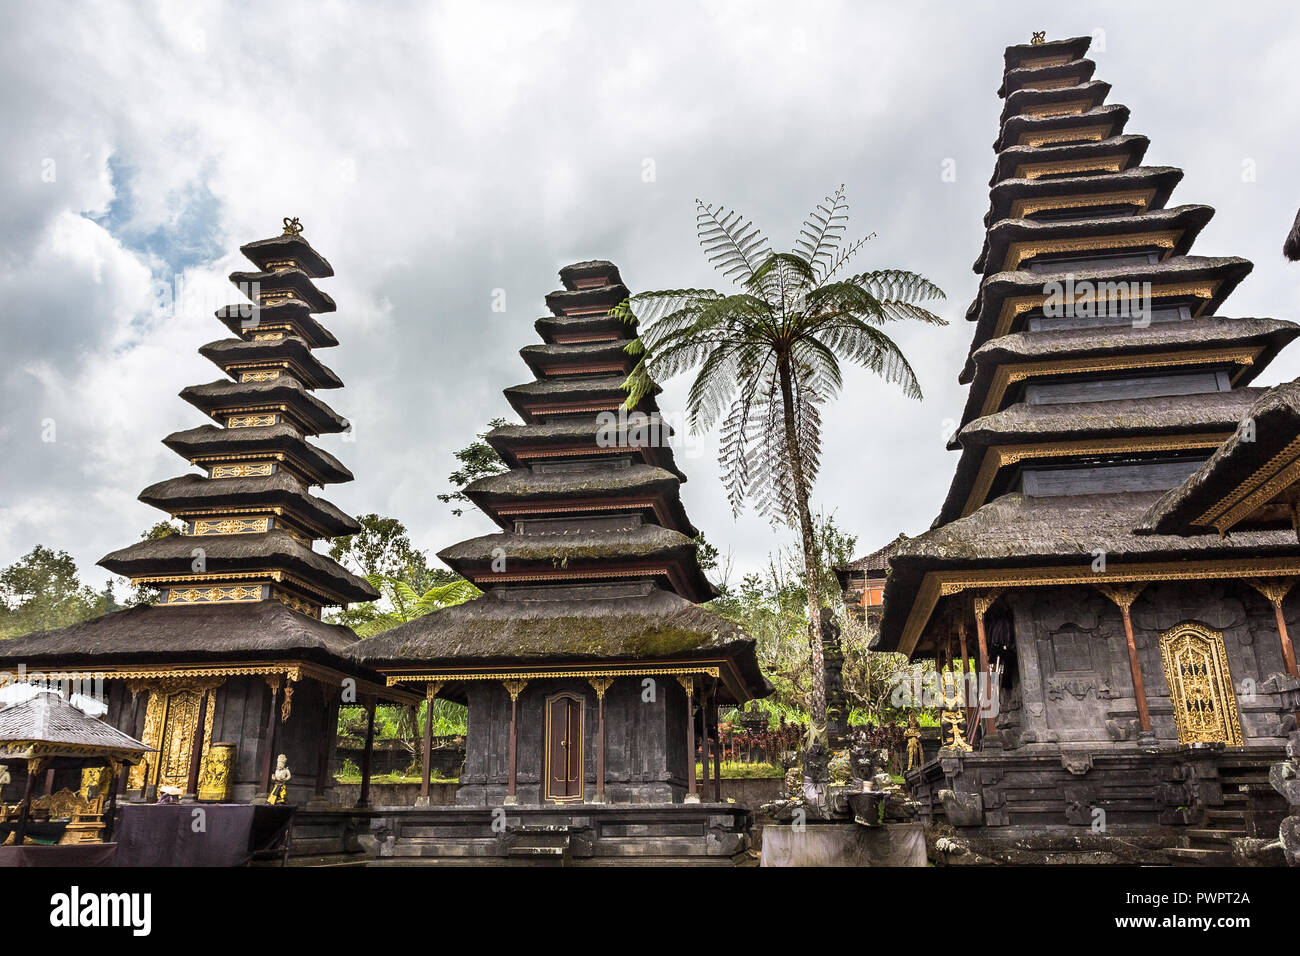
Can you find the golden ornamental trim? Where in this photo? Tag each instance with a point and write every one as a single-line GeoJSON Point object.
{"type": "Point", "coordinates": [1270, 478]}
{"type": "Point", "coordinates": [1274, 590]}
{"type": "Point", "coordinates": [246, 470]}
{"type": "Point", "coordinates": [1018, 252]}
{"type": "Point", "coordinates": [1123, 595]}
{"type": "Point", "coordinates": [1007, 375]}
{"type": "Point", "coordinates": [1016, 306]}
{"type": "Point", "coordinates": [1071, 108]}
{"type": "Point", "coordinates": [1107, 164]}
{"type": "Point", "coordinates": [250, 421]}
{"type": "Point", "coordinates": [1052, 83]}
{"type": "Point", "coordinates": [997, 457]}
{"type": "Point", "coordinates": [515, 688]}
{"type": "Point", "coordinates": [1022, 208]}
{"type": "Point", "coordinates": [210, 526]}
{"type": "Point", "coordinates": [235, 594]}
{"type": "Point", "coordinates": [1200, 685]}
{"type": "Point", "coordinates": [443, 678]}
{"type": "Point", "coordinates": [1076, 134]}
{"type": "Point", "coordinates": [600, 685]}
{"type": "Point", "coordinates": [263, 375]}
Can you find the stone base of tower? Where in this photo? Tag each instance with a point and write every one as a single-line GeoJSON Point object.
{"type": "Point", "coordinates": [559, 835]}
{"type": "Point", "coordinates": [1115, 806]}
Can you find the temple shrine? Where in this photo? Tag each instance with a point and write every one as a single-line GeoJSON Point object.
{"type": "Point", "coordinates": [1110, 554]}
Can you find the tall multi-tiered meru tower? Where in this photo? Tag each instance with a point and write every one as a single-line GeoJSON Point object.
{"type": "Point", "coordinates": [590, 673]}
{"type": "Point", "coordinates": [234, 653]}
{"type": "Point", "coordinates": [1136, 679]}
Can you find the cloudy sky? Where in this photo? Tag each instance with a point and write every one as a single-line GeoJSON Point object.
{"type": "Point", "coordinates": [439, 152]}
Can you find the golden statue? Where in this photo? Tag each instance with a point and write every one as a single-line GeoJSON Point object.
{"type": "Point", "coordinates": [952, 719]}
{"type": "Point", "coordinates": [1039, 37]}
{"type": "Point", "coordinates": [292, 227]}
{"type": "Point", "coordinates": [915, 756]}
{"type": "Point", "coordinates": [280, 787]}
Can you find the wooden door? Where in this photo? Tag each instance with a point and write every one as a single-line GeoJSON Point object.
{"type": "Point", "coordinates": [564, 748]}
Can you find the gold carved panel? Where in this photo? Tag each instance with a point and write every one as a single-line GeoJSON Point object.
{"type": "Point", "coordinates": [249, 470]}
{"type": "Point", "coordinates": [1200, 685]}
{"type": "Point", "coordinates": [171, 715]}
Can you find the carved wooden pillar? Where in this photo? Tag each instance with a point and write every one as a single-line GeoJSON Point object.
{"type": "Point", "coordinates": [426, 751]}
{"type": "Point", "coordinates": [132, 729]}
{"type": "Point", "coordinates": [965, 666]}
{"type": "Point", "coordinates": [371, 703]}
{"type": "Point", "coordinates": [688, 685]}
{"type": "Point", "coordinates": [1124, 595]}
{"type": "Point", "coordinates": [982, 602]}
{"type": "Point", "coordinates": [600, 685]}
{"type": "Point", "coordinates": [268, 739]}
{"type": "Point", "coordinates": [328, 734]}
{"type": "Point", "coordinates": [514, 688]}
{"type": "Point", "coordinates": [1275, 591]}
{"type": "Point", "coordinates": [34, 767]}
{"type": "Point", "coordinates": [196, 749]}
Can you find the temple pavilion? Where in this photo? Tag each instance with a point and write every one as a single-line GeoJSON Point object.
{"type": "Point", "coordinates": [1128, 612]}
{"type": "Point", "coordinates": [233, 666]}
{"type": "Point", "coordinates": [592, 677]}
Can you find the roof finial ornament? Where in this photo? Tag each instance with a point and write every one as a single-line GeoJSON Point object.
{"type": "Point", "coordinates": [292, 227]}
{"type": "Point", "coordinates": [1040, 36]}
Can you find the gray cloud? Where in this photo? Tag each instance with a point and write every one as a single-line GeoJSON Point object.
{"type": "Point", "coordinates": [438, 153]}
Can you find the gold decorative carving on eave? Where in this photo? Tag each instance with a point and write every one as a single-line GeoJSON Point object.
{"type": "Point", "coordinates": [232, 594]}
{"type": "Point", "coordinates": [1113, 291]}
{"type": "Point", "coordinates": [260, 375]}
{"type": "Point", "coordinates": [296, 603]}
{"type": "Point", "coordinates": [233, 525]}
{"type": "Point", "coordinates": [273, 575]}
{"type": "Point", "coordinates": [1075, 134]}
{"type": "Point", "coordinates": [1053, 83]}
{"type": "Point", "coordinates": [1271, 479]}
{"type": "Point", "coordinates": [1122, 595]}
{"type": "Point", "coordinates": [997, 457]}
{"type": "Point", "coordinates": [1021, 208]}
{"type": "Point", "coordinates": [250, 421]}
{"type": "Point", "coordinates": [940, 584]}
{"type": "Point", "coordinates": [515, 687]}
{"type": "Point", "coordinates": [1007, 375]}
{"type": "Point", "coordinates": [1071, 108]}
{"type": "Point", "coordinates": [543, 673]}
{"type": "Point", "coordinates": [1108, 164]}
{"type": "Point", "coordinates": [267, 336]}
{"type": "Point", "coordinates": [600, 685]}
{"type": "Point", "coordinates": [243, 470]}
{"type": "Point", "coordinates": [1274, 590]}
{"type": "Point", "coordinates": [1018, 252]}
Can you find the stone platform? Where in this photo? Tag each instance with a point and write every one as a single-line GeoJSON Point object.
{"type": "Point", "coordinates": [844, 844]}
{"type": "Point", "coordinates": [559, 835]}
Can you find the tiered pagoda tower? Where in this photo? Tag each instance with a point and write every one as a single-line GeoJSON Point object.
{"type": "Point", "coordinates": [589, 672]}
{"type": "Point", "coordinates": [234, 652]}
{"type": "Point", "coordinates": [251, 514]}
{"type": "Point", "coordinates": [1102, 374]}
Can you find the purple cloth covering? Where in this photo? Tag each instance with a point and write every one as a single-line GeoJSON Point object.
{"type": "Point", "coordinates": [171, 835]}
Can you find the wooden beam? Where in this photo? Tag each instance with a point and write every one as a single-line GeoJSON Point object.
{"type": "Point", "coordinates": [196, 748]}
{"type": "Point", "coordinates": [1124, 598]}
{"type": "Point", "coordinates": [514, 688]}
{"type": "Point", "coordinates": [688, 685]}
{"type": "Point", "coordinates": [268, 739]}
{"type": "Point", "coordinates": [426, 752]}
{"type": "Point", "coordinates": [600, 685]}
{"type": "Point", "coordinates": [363, 799]}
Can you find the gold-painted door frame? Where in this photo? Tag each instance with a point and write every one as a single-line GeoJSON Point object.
{"type": "Point", "coordinates": [163, 736]}
{"type": "Point", "coordinates": [1201, 691]}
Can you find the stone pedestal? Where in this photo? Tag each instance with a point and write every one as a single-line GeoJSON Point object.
{"type": "Point", "coordinates": [844, 844]}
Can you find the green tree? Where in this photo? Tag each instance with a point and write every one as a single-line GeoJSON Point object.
{"type": "Point", "coordinates": [768, 357]}
{"type": "Point", "coordinates": [145, 593]}
{"type": "Point", "coordinates": [43, 590]}
{"type": "Point", "coordinates": [477, 460]}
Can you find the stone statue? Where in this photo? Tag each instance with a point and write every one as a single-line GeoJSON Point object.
{"type": "Point", "coordinates": [280, 781]}
{"type": "Point", "coordinates": [915, 756]}
{"type": "Point", "coordinates": [1285, 778]}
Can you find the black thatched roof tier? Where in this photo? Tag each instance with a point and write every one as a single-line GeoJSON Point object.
{"type": "Point", "coordinates": [1008, 243]}
{"type": "Point", "coordinates": [570, 625]}
{"type": "Point", "coordinates": [1085, 96]}
{"type": "Point", "coordinates": [46, 724]}
{"type": "Point", "coordinates": [1261, 338]}
{"type": "Point", "coordinates": [581, 274]}
{"type": "Point", "coordinates": [1019, 531]}
{"type": "Point", "coordinates": [1153, 184]}
{"type": "Point", "coordinates": [239, 554]}
{"type": "Point", "coordinates": [1108, 121]}
{"type": "Point", "coordinates": [1126, 151]}
{"type": "Point", "coordinates": [1036, 77]}
{"type": "Point", "coordinates": [567, 330]}
{"type": "Point", "coordinates": [293, 317]}
{"type": "Point", "coordinates": [284, 283]}
{"type": "Point", "coordinates": [1212, 413]}
{"type": "Point", "coordinates": [190, 493]}
{"type": "Point", "coordinates": [596, 300]}
{"type": "Point", "coordinates": [1247, 460]}
{"type": "Point", "coordinates": [1291, 248]}
{"type": "Point", "coordinates": [216, 399]}
{"type": "Point", "coordinates": [1202, 281]}
{"type": "Point", "coordinates": [554, 360]}
{"type": "Point", "coordinates": [635, 434]}
{"type": "Point", "coordinates": [582, 553]}
{"type": "Point", "coordinates": [186, 634]}
{"type": "Point", "coordinates": [556, 395]}
{"type": "Point", "coordinates": [280, 249]}
{"type": "Point", "coordinates": [550, 485]}
{"type": "Point", "coordinates": [209, 440]}
{"type": "Point", "coordinates": [1070, 49]}
{"type": "Point", "coordinates": [229, 354]}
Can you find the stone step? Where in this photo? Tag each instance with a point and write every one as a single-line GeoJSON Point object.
{"type": "Point", "coordinates": [1233, 817]}
{"type": "Point", "coordinates": [537, 851]}
{"type": "Point", "coordinates": [1194, 856]}
{"type": "Point", "coordinates": [1213, 835]}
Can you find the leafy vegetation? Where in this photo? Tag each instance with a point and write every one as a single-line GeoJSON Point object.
{"type": "Point", "coordinates": [767, 357]}
{"type": "Point", "coordinates": [477, 460]}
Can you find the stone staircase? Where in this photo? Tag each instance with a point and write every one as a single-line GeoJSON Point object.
{"type": "Point", "coordinates": [1247, 811]}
